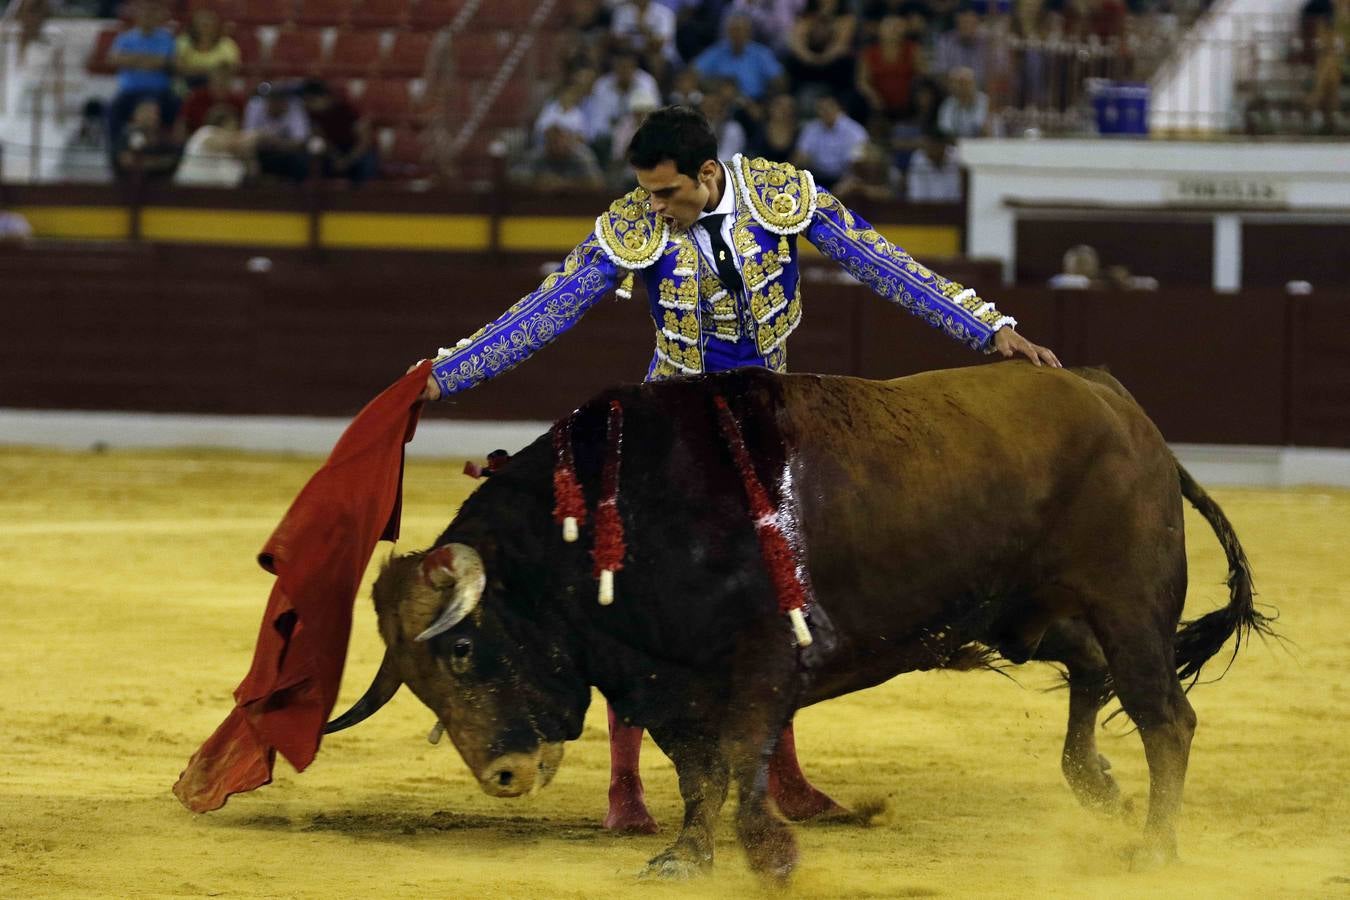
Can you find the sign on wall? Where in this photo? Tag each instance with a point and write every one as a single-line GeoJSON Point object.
{"type": "Point", "coordinates": [1204, 190]}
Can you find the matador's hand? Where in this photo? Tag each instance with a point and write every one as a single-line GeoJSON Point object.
{"type": "Point", "coordinates": [433, 390]}
{"type": "Point", "coordinates": [1009, 342]}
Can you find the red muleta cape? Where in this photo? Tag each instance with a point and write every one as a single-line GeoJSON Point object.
{"type": "Point", "coordinates": [319, 554]}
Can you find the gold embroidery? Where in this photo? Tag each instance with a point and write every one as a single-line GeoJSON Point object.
{"type": "Point", "coordinates": [782, 197]}
{"type": "Point", "coordinates": [628, 232]}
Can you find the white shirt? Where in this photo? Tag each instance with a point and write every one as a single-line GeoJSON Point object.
{"type": "Point", "coordinates": [204, 167]}
{"type": "Point", "coordinates": [607, 101]}
{"type": "Point", "coordinates": [726, 206]}
{"type": "Point", "coordinates": [927, 183]}
{"type": "Point", "coordinates": [659, 20]}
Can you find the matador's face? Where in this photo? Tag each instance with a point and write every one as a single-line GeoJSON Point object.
{"type": "Point", "coordinates": [676, 197]}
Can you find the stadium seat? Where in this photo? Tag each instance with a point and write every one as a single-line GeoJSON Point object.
{"type": "Point", "coordinates": [381, 13]}
{"type": "Point", "coordinates": [265, 12]}
{"type": "Point", "coordinates": [98, 56]}
{"type": "Point", "coordinates": [479, 54]}
{"type": "Point", "coordinates": [323, 13]}
{"type": "Point", "coordinates": [297, 51]}
{"type": "Point", "coordinates": [513, 14]}
{"type": "Point", "coordinates": [408, 56]}
{"type": "Point", "coordinates": [404, 154]}
{"type": "Point", "coordinates": [434, 14]}
{"type": "Point", "coordinates": [250, 49]}
{"type": "Point", "coordinates": [387, 102]}
{"type": "Point", "coordinates": [355, 53]}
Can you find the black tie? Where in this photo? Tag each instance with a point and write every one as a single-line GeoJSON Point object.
{"type": "Point", "coordinates": [726, 263]}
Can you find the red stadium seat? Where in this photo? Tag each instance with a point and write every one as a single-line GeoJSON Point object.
{"type": "Point", "coordinates": [381, 13]}
{"type": "Point", "coordinates": [387, 102]}
{"type": "Point", "coordinates": [479, 54]}
{"type": "Point", "coordinates": [434, 14]}
{"type": "Point", "coordinates": [266, 12]}
{"type": "Point", "coordinates": [323, 13]}
{"type": "Point", "coordinates": [406, 154]}
{"type": "Point", "coordinates": [513, 14]}
{"type": "Point", "coordinates": [297, 51]}
{"type": "Point", "coordinates": [98, 56]}
{"type": "Point", "coordinates": [354, 53]}
{"type": "Point", "coordinates": [250, 49]}
{"type": "Point", "coordinates": [408, 56]}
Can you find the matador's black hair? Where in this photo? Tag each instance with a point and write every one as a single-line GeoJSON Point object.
{"type": "Point", "coordinates": [676, 133]}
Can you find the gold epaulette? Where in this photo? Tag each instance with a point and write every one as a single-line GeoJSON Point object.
{"type": "Point", "coordinates": [781, 196]}
{"type": "Point", "coordinates": [629, 233]}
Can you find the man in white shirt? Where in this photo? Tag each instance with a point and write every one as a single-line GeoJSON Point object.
{"type": "Point", "coordinates": [608, 101]}
{"type": "Point", "coordinates": [829, 142]}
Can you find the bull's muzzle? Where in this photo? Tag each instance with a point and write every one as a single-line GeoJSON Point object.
{"type": "Point", "coordinates": [518, 774]}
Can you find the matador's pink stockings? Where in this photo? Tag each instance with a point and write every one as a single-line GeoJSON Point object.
{"type": "Point", "coordinates": [791, 792]}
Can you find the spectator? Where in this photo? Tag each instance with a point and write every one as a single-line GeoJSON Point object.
{"type": "Point", "coordinates": [730, 134]}
{"type": "Point", "coordinates": [145, 145]}
{"type": "Point", "coordinates": [14, 229]}
{"type": "Point", "coordinates": [772, 20]}
{"type": "Point", "coordinates": [697, 25]}
{"type": "Point", "coordinates": [907, 134]}
{"type": "Point", "coordinates": [565, 110]}
{"type": "Point", "coordinates": [563, 162]}
{"type": "Point", "coordinates": [829, 143]}
{"type": "Point", "coordinates": [143, 57]}
{"type": "Point", "coordinates": [686, 90]}
{"type": "Point", "coordinates": [277, 119]}
{"type": "Point", "coordinates": [349, 144]}
{"type": "Point", "coordinates": [217, 91]}
{"type": "Point", "coordinates": [964, 46]}
{"type": "Point", "coordinates": [1331, 67]}
{"type": "Point", "coordinates": [934, 175]}
{"type": "Point", "coordinates": [218, 154]}
{"type": "Point", "coordinates": [640, 103]}
{"type": "Point", "coordinates": [1033, 26]}
{"type": "Point", "coordinates": [887, 68]}
{"type": "Point", "coordinates": [1082, 270]}
{"type": "Point", "coordinates": [752, 66]}
{"type": "Point", "coordinates": [871, 175]}
{"type": "Point", "coordinates": [776, 138]}
{"type": "Point", "coordinates": [203, 48]}
{"type": "Point", "coordinates": [820, 50]}
{"type": "Point", "coordinates": [965, 112]}
{"type": "Point", "coordinates": [647, 29]}
{"type": "Point", "coordinates": [608, 100]}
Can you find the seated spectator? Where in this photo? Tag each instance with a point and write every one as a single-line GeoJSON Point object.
{"type": "Point", "coordinates": [772, 20]}
{"type": "Point", "coordinates": [608, 100]}
{"type": "Point", "coordinates": [278, 121]}
{"type": "Point", "coordinates": [564, 162]}
{"type": "Point", "coordinates": [907, 134]}
{"type": "Point", "coordinates": [829, 142]}
{"type": "Point", "coordinates": [218, 154]}
{"type": "Point", "coordinates": [730, 134]}
{"type": "Point", "coordinates": [776, 138]}
{"type": "Point", "coordinates": [143, 57]}
{"type": "Point", "coordinates": [618, 174]}
{"type": "Point", "coordinates": [752, 66]}
{"type": "Point", "coordinates": [564, 110]}
{"type": "Point", "coordinates": [888, 67]}
{"type": "Point", "coordinates": [1081, 270]}
{"type": "Point", "coordinates": [646, 28]}
{"type": "Point", "coordinates": [963, 47]}
{"type": "Point", "coordinates": [965, 112]}
{"type": "Point", "coordinates": [349, 143]}
{"type": "Point", "coordinates": [820, 51]}
{"type": "Point", "coordinates": [14, 229]}
{"type": "Point", "coordinates": [145, 147]}
{"type": "Point", "coordinates": [934, 175]}
{"type": "Point", "coordinates": [584, 35]}
{"type": "Point", "coordinates": [203, 48]}
{"type": "Point", "coordinates": [685, 90]}
{"type": "Point", "coordinates": [217, 91]}
{"type": "Point", "coordinates": [871, 175]}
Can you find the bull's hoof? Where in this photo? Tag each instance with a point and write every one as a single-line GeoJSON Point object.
{"type": "Point", "coordinates": [1149, 856]}
{"type": "Point", "coordinates": [674, 866]}
{"type": "Point", "coordinates": [1096, 789]}
{"type": "Point", "coordinates": [774, 857]}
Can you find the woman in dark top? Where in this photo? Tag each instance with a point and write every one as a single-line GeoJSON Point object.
{"type": "Point", "coordinates": [776, 137]}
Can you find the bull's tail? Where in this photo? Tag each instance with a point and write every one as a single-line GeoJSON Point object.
{"type": "Point", "coordinates": [1200, 640]}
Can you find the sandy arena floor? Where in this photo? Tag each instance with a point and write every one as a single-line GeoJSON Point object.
{"type": "Point", "coordinates": [130, 600]}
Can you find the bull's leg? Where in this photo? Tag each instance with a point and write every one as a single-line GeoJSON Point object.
{"type": "Point", "coordinates": [627, 804]}
{"type": "Point", "coordinates": [1070, 641]}
{"type": "Point", "coordinates": [703, 785]}
{"type": "Point", "coordinates": [1141, 659]}
{"type": "Point", "coordinates": [796, 798]}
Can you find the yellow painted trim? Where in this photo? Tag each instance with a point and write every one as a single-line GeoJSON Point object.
{"type": "Point", "coordinates": [102, 222]}
{"type": "Point", "coordinates": [224, 226]}
{"type": "Point", "coordinates": [544, 232]}
{"type": "Point", "coordinates": [400, 230]}
{"type": "Point", "coordinates": [919, 241]}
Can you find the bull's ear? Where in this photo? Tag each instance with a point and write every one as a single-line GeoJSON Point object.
{"type": "Point", "coordinates": [457, 567]}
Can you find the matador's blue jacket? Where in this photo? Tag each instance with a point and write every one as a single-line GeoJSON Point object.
{"type": "Point", "coordinates": [699, 326]}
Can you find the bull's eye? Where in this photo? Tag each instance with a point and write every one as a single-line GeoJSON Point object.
{"type": "Point", "coordinates": [460, 651]}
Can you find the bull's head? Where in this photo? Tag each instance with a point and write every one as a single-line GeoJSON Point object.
{"type": "Point", "coordinates": [463, 659]}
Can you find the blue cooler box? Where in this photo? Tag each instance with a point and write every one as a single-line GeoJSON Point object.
{"type": "Point", "coordinates": [1121, 107]}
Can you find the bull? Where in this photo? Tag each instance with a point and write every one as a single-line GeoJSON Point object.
{"type": "Point", "coordinates": [942, 518]}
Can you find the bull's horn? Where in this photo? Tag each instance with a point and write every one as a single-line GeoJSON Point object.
{"type": "Point", "coordinates": [461, 565]}
{"type": "Point", "coordinates": [381, 690]}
